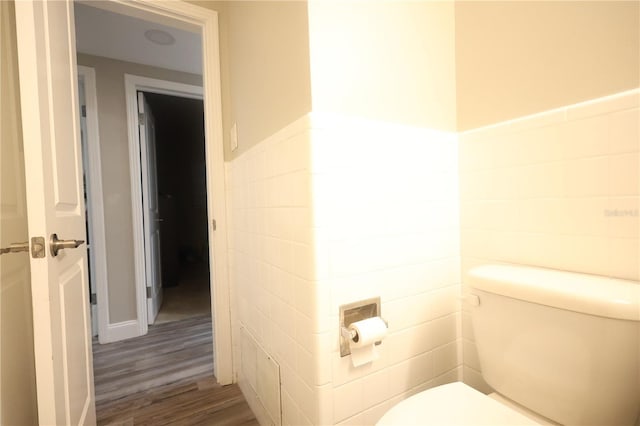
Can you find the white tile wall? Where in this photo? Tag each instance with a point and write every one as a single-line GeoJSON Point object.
{"type": "Point", "coordinates": [272, 272]}
{"type": "Point", "coordinates": [332, 210]}
{"type": "Point", "coordinates": [559, 189]}
{"type": "Point", "coordinates": [385, 216]}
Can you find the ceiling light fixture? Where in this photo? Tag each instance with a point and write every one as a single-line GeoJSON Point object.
{"type": "Point", "coordinates": [159, 37]}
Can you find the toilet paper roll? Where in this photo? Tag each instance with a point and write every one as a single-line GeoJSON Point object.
{"type": "Point", "coordinates": [368, 332]}
{"type": "Point", "coordinates": [361, 356]}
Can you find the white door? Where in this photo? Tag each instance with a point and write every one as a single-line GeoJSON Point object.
{"type": "Point", "coordinates": [151, 209]}
{"type": "Point", "coordinates": [53, 170]}
{"type": "Point", "coordinates": [17, 373]}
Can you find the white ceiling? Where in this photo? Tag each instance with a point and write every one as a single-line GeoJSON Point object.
{"type": "Point", "coordinates": [103, 33]}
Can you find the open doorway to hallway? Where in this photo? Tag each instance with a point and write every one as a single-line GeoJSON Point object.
{"type": "Point", "coordinates": [118, 49]}
{"type": "Point", "coordinates": [168, 193]}
{"type": "Point", "coordinates": [179, 346]}
{"type": "Point", "coordinates": [182, 197]}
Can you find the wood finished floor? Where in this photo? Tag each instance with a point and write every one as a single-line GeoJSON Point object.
{"type": "Point", "coordinates": [165, 378]}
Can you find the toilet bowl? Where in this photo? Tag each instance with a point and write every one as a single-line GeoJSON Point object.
{"type": "Point", "coordinates": [457, 404]}
{"type": "Point", "coordinates": [548, 343]}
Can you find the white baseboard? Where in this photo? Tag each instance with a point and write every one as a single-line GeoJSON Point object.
{"type": "Point", "coordinates": [94, 320]}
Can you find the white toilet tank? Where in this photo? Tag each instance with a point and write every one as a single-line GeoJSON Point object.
{"type": "Point", "coordinates": [562, 344]}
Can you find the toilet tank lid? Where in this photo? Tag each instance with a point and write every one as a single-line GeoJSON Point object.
{"type": "Point", "coordinates": [589, 294]}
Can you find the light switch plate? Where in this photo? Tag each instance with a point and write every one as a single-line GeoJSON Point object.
{"type": "Point", "coordinates": [234, 137]}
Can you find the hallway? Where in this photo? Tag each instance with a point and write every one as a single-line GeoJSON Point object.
{"type": "Point", "coordinates": [163, 378]}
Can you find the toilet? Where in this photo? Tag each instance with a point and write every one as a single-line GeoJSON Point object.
{"type": "Point", "coordinates": [557, 348]}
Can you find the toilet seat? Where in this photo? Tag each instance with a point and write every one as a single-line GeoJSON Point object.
{"type": "Point", "coordinates": [452, 404]}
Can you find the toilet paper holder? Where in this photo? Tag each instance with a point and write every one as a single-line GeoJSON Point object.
{"type": "Point", "coordinates": [353, 312]}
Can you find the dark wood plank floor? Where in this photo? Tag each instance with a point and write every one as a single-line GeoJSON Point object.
{"type": "Point", "coordinates": [197, 402]}
{"type": "Point", "coordinates": [165, 378]}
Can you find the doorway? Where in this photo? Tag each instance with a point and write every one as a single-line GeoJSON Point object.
{"type": "Point", "coordinates": [163, 121]}
{"type": "Point", "coordinates": [45, 33]}
{"type": "Point", "coordinates": [202, 259]}
{"type": "Point", "coordinates": [182, 199]}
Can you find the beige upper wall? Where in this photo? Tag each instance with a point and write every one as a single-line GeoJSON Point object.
{"type": "Point", "coordinates": [519, 58]}
{"type": "Point", "coordinates": [265, 67]}
{"type": "Point", "coordinates": [390, 61]}
{"type": "Point", "coordinates": [268, 66]}
{"type": "Point", "coordinates": [116, 182]}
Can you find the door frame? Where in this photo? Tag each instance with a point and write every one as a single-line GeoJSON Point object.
{"type": "Point", "coordinates": [132, 85]}
{"type": "Point", "coordinates": [204, 21]}
{"type": "Point", "coordinates": [96, 229]}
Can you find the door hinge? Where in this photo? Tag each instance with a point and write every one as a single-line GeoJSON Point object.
{"type": "Point", "coordinates": [93, 298]}
{"type": "Point", "coordinates": [213, 223]}
{"type": "Point", "coordinates": [84, 110]}
{"type": "Point", "coordinates": [141, 118]}
{"type": "Point", "coordinates": [149, 293]}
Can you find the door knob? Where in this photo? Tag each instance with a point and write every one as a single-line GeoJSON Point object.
{"type": "Point", "coordinates": [15, 248]}
{"type": "Point", "coordinates": [56, 245]}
